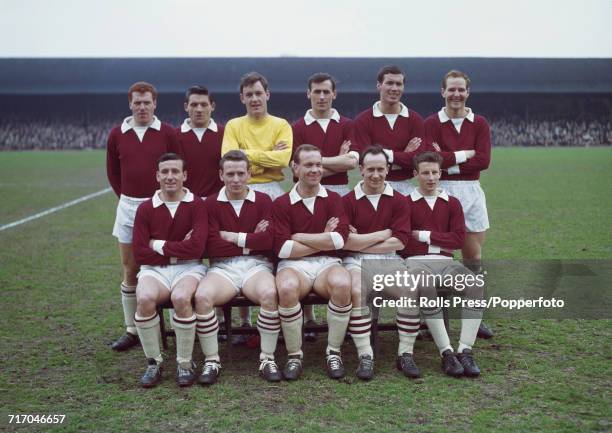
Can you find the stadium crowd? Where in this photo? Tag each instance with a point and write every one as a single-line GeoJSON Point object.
{"type": "Point", "coordinates": [20, 133]}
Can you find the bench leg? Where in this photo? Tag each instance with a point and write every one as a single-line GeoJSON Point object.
{"type": "Point", "coordinates": [374, 341]}
{"type": "Point", "coordinates": [227, 314]}
{"type": "Point", "coordinates": [162, 327]}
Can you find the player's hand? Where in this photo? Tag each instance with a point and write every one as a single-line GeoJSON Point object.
{"type": "Point", "coordinates": [436, 146]}
{"type": "Point", "coordinates": [281, 145]}
{"type": "Point", "coordinates": [332, 224]}
{"type": "Point", "coordinates": [262, 226]}
{"type": "Point", "coordinates": [151, 243]}
{"type": "Point", "coordinates": [346, 146]}
{"type": "Point", "coordinates": [470, 153]}
{"type": "Point", "coordinates": [229, 236]}
{"type": "Point", "coordinates": [352, 229]}
{"type": "Point", "coordinates": [188, 235]}
{"type": "Point", "coordinates": [413, 144]}
{"type": "Point", "coordinates": [415, 234]}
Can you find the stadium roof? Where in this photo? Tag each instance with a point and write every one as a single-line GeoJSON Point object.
{"type": "Point", "coordinates": [171, 75]}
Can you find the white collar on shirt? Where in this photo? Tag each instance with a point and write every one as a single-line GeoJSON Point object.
{"type": "Point", "coordinates": [359, 193]}
{"type": "Point", "coordinates": [294, 197]}
{"type": "Point", "coordinates": [444, 117]}
{"type": "Point", "coordinates": [186, 126]}
{"type": "Point", "coordinates": [377, 113]}
{"type": "Point", "coordinates": [309, 118]}
{"type": "Point", "coordinates": [157, 201]}
{"type": "Point", "coordinates": [128, 124]}
{"type": "Point", "coordinates": [416, 195]}
{"type": "Point", "coordinates": [223, 196]}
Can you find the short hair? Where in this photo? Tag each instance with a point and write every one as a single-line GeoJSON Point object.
{"type": "Point", "coordinates": [235, 156]}
{"type": "Point", "coordinates": [390, 69]}
{"type": "Point", "coordinates": [171, 157]}
{"type": "Point", "coordinates": [250, 78]}
{"type": "Point", "coordinates": [198, 90]}
{"type": "Point", "coordinates": [142, 87]}
{"type": "Point", "coordinates": [320, 77]}
{"type": "Point", "coordinates": [304, 148]}
{"type": "Point", "coordinates": [373, 150]}
{"type": "Point", "coordinates": [427, 157]}
{"type": "Point", "coordinates": [454, 73]}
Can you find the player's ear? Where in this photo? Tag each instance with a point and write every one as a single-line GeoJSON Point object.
{"type": "Point", "coordinates": [212, 106]}
{"type": "Point", "coordinates": [267, 95]}
{"type": "Point", "coordinates": [184, 175]}
{"type": "Point", "coordinates": [415, 173]}
{"type": "Point", "coordinates": [186, 106]}
{"type": "Point", "coordinates": [221, 174]}
{"type": "Point", "coordinates": [442, 89]}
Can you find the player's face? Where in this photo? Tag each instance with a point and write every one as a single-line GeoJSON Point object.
{"type": "Point", "coordinates": [143, 107]}
{"type": "Point", "coordinates": [309, 171]}
{"type": "Point", "coordinates": [428, 175]}
{"type": "Point", "coordinates": [391, 89]}
{"type": "Point", "coordinates": [255, 98]}
{"type": "Point", "coordinates": [374, 171]}
{"type": "Point", "coordinates": [199, 109]}
{"type": "Point", "coordinates": [321, 95]}
{"type": "Point", "coordinates": [235, 177]}
{"type": "Point", "coordinates": [456, 93]}
{"type": "Point", "coordinates": [171, 176]}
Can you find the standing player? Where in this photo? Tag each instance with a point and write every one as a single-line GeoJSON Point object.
{"type": "Point", "coordinates": [464, 141]}
{"type": "Point", "coordinates": [169, 238]}
{"type": "Point", "coordinates": [265, 139]}
{"type": "Point", "coordinates": [379, 221]}
{"type": "Point", "coordinates": [392, 125]}
{"type": "Point", "coordinates": [131, 160]}
{"type": "Point", "coordinates": [240, 240]}
{"type": "Point", "coordinates": [325, 128]}
{"type": "Point", "coordinates": [310, 229]}
{"type": "Point", "coordinates": [200, 139]}
{"type": "Point", "coordinates": [438, 228]}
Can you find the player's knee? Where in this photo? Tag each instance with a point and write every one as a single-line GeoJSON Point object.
{"type": "Point", "coordinates": [288, 291]}
{"type": "Point", "coordinates": [340, 283]}
{"type": "Point", "coordinates": [181, 301]}
{"type": "Point", "coordinates": [203, 302]}
{"type": "Point", "coordinates": [268, 298]}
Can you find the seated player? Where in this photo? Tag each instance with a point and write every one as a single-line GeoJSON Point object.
{"type": "Point", "coordinates": [310, 229]}
{"type": "Point", "coordinates": [239, 241]}
{"type": "Point", "coordinates": [438, 228]}
{"type": "Point", "coordinates": [169, 238]}
{"type": "Point", "coordinates": [379, 226]}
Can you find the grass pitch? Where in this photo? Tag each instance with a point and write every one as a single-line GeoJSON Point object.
{"type": "Point", "coordinates": [59, 277]}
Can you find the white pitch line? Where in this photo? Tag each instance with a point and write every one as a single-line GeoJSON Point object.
{"type": "Point", "coordinates": [54, 209]}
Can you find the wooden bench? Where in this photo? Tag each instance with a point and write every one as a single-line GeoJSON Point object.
{"type": "Point", "coordinates": [311, 299]}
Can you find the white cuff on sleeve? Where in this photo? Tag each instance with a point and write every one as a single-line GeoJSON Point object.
{"type": "Point", "coordinates": [433, 249]}
{"type": "Point", "coordinates": [354, 154]}
{"type": "Point", "coordinates": [158, 247]}
{"type": "Point", "coordinates": [389, 154]}
{"type": "Point", "coordinates": [242, 240]}
{"type": "Point", "coordinates": [460, 157]}
{"type": "Point", "coordinates": [285, 251]}
{"type": "Point", "coordinates": [424, 236]}
{"type": "Point", "coordinates": [453, 170]}
{"type": "Point", "coordinates": [337, 240]}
